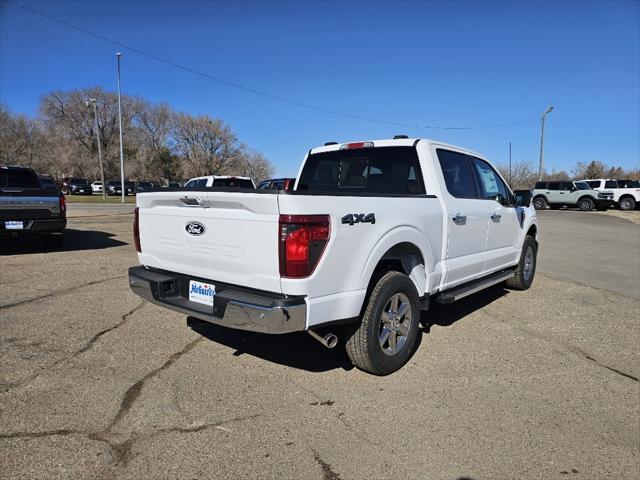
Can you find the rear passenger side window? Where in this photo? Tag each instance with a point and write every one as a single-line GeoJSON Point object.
{"type": "Point", "coordinates": [541, 185]}
{"type": "Point", "coordinates": [457, 174]}
{"type": "Point", "coordinates": [610, 184]}
{"type": "Point", "coordinates": [554, 186]}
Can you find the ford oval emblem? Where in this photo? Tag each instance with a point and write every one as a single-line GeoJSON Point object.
{"type": "Point", "coordinates": [195, 228]}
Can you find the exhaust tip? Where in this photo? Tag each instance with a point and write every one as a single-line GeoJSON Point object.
{"type": "Point", "coordinates": [331, 340]}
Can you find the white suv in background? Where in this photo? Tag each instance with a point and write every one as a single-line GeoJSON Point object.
{"type": "Point", "coordinates": [626, 193]}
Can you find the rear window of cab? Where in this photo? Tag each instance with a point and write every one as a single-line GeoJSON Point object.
{"type": "Point", "coordinates": [372, 170]}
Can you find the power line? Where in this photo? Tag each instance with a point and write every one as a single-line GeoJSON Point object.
{"type": "Point", "coordinates": [252, 90]}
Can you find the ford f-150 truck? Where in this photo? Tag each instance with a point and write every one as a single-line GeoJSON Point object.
{"type": "Point", "coordinates": [29, 208]}
{"type": "Point", "coordinates": [370, 234]}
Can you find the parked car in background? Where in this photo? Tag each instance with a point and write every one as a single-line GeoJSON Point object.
{"type": "Point", "coordinates": [129, 187]}
{"type": "Point", "coordinates": [570, 194]}
{"type": "Point", "coordinates": [277, 184]}
{"type": "Point", "coordinates": [625, 195]}
{"type": "Point", "coordinates": [143, 186]}
{"type": "Point", "coordinates": [48, 183]}
{"type": "Point", "coordinates": [79, 186]}
{"type": "Point", "coordinates": [27, 208]}
{"type": "Point", "coordinates": [374, 232]}
{"type": "Point", "coordinates": [114, 187]}
{"type": "Point", "coordinates": [96, 187]}
{"type": "Point", "coordinates": [220, 181]}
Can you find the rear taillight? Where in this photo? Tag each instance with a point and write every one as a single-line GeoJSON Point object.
{"type": "Point", "coordinates": [136, 230]}
{"type": "Point", "coordinates": [301, 241]}
{"type": "Point", "coordinates": [63, 205]}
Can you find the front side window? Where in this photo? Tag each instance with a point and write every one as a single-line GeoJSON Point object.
{"type": "Point", "coordinates": [490, 182]}
{"type": "Point", "coordinates": [554, 186]}
{"type": "Point", "coordinates": [582, 186]}
{"type": "Point", "coordinates": [457, 174]}
{"type": "Point", "coordinates": [594, 184]}
{"type": "Point", "coordinates": [375, 170]}
{"type": "Point", "coordinates": [566, 186]}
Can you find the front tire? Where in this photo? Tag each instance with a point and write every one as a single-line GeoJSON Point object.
{"type": "Point", "coordinates": [586, 204]}
{"type": "Point", "coordinates": [526, 269]}
{"type": "Point", "coordinates": [539, 203]}
{"type": "Point", "coordinates": [386, 337]}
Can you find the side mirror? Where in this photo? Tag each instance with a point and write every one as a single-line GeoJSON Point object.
{"type": "Point", "coordinates": [523, 198]}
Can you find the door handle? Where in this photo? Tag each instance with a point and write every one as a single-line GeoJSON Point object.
{"type": "Point", "coordinates": [459, 219]}
{"type": "Point", "coordinates": [496, 217]}
{"type": "Point", "coordinates": [191, 202]}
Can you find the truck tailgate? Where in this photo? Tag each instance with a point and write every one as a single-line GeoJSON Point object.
{"type": "Point", "coordinates": [229, 237]}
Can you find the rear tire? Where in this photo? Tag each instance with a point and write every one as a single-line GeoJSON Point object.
{"type": "Point", "coordinates": [627, 203]}
{"type": "Point", "coordinates": [526, 268]}
{"type": "Point", "coordinates": [539, 203]}
{"type": "Point", "coordinates": [386, 337]}
{"type": "Point", "coordinates": [586, 204]}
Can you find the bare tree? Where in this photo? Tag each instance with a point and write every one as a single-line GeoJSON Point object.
{"type": "Point", "coordinates": [254, 165]}
{"type": "Point", "coordinates": [208, 145]}
{"type": "Point", "coordinates": [522, 175]}
{"type": "Point", "coordinates": [22, 141]}
{"type": "Point", "coordinates": [71, 124]}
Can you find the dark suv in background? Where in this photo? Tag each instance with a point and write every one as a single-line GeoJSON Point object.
{"type": "Point", "coordinates": [114, 187]}
{"type": "Point", "coordinates": [79, 186]}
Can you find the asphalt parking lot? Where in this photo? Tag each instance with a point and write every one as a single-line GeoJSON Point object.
{"type": "Point", "coordinates": [95, 383]}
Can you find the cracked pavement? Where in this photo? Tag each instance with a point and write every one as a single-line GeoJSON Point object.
{"type": "Point", "coordinates": [95, 383]}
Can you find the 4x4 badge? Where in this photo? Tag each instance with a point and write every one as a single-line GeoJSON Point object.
{"type": "Point", "coordinates": [352, 218]}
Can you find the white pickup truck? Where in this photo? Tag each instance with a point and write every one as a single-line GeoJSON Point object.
{"type": "Point", "coordinates": [371, 232]}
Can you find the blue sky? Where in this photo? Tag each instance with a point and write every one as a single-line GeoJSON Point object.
{"type": "Point", "coordinates": [426, 63]}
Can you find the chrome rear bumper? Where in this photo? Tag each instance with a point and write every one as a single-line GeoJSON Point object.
{"type": "Point", "coordinates": [234, 307]}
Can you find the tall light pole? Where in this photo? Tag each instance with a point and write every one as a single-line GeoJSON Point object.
{"type": "Point", "coordinates": [93, 101]}
{"type": "Point", "coordinates": [544, 116]}
{"type": "Point", "coordinates": [118, 55]}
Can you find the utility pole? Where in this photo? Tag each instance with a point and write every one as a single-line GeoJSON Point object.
{"type": "Point", "coordinates": [544, 116]}
{"type": "Point", "coordinates": [510, 176]}
{"type": "Point", "coordinates": [118, 55]}
{"type": "Point", "coordinates": [93, 101]}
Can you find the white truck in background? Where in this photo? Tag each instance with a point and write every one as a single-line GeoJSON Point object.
{"type": "Point", "coordinates": [626, 193]}
{"type": "Point", "coordinates": [371, 233]}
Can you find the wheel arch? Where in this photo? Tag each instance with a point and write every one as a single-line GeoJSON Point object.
{"type": "Point", "coordinates": [404, 250]}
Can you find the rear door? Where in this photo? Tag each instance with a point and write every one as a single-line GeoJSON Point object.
{"type": "Point", "coordinates": [229, 237]}
{"type": "Point", "coordinates": [467, 219]}
{"type": "Point", "coordinates": [504, 225]}
{"type": "Point", "coordinates": [553, 193]}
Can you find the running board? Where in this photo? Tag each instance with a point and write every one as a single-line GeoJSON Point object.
{"type": "Point", "coordinates": [467, 289]}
